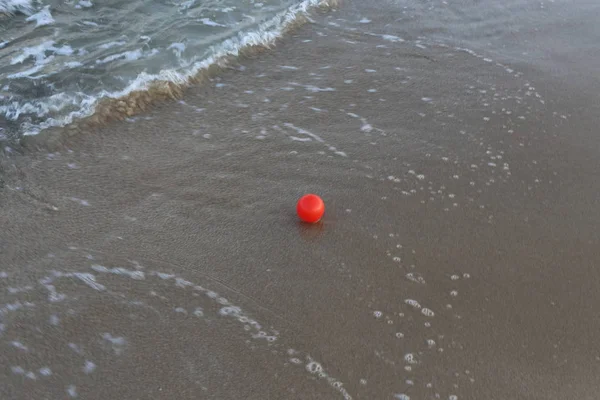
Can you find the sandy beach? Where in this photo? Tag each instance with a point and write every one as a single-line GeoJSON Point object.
{"type": "Point", "coordinates": [160, 257]}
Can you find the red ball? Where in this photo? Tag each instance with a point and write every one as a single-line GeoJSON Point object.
{"type": "Point", "coordinates": [310, 208]}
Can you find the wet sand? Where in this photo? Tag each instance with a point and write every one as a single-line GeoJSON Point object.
{"type": "Point", "coordinates": [161, 258]}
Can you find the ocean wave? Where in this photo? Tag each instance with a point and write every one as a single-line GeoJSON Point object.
{"type": "Point", "coordinates": [12, 7]}
{"type": "Point", "coordinates": [62, 109]}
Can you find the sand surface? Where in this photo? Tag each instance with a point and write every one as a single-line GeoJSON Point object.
{"type": "Point", "coordinates": [160, 258]}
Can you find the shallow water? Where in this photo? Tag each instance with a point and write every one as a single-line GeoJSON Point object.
{"type": "Point", "coordinates": [57, 59]}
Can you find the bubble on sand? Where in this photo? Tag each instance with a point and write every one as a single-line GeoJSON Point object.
{"type": "Point", "coordinates": [198, 312]}
{"type": "Point", "coordinates": [72, 391]}
{"type": "Point", "coordinates": [231, 310]}
{"type": "Point", "coordinates": [19, 345]}
{"type": "Point", "coordinates": [89, 367]}
{"type": "Point", "coordinates": [117, 342]}
{"type": "Point", "coordinates": [410, 358]}
{"type": "Point", "coordinates": [314, 367]}
{"type": "Point", "coordinates": [427, 312]}
{"type": "Point", "coordinates": [454, 293]}
{"type": "Point", "coordinates": [377, 314]}
{"type": "Point", "coordinates": [75, 348]}
{"type": "Point", "coordinates": [399, 335]}
{"type": "Point", "coordinates": [401, 396]}
{"type": "Point", "coordinates": [17, 370]}
{"type": "Point", "coordinates": [413, 303]}
{"type": "Point", "coordinates": [415, 277]}
{"type": "Point", "coordinates": [80, 201]}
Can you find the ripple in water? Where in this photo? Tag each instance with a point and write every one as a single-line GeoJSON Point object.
{"type": "Point", "coordinates": [63, 298]}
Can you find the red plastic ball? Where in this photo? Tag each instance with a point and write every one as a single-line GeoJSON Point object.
{"type": "Point", "coordinates": [310, 208]}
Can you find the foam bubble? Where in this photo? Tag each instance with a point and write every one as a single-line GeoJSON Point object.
{"type": "Point", "coordinates": [117, 342]}
{"type": "Point", "coordinates": [410, 358]}
{"type": "Point", "coordinates": [137, 275]}
{"type": "Point", "coordinates": [89, 367]}
{"type": "Point", "coordinates": [230, 310]}
{"type": "Point", "coordinates": [41, 18]}
{"type": "Point", "coordinates": [72, 391]}
{"type": "Point", "coordinates": [413, 303]}
{"type": "Point", "coordinates": [415, 277]}
{"type": "Point", "coordinates": [314, 367]}
{"type": "Point", "coordinates": [89, 280]}
{"type": "Point", "coordinates": [17, 370]}
{"type": "Point", "coordinates": [198, 312]}
{"type": "Point", "coordinates": [84, 4]}
{"type": "Point", "coordinates": [75, 348]}
{"type": "Point", "coordinates": [19, 345]}
{"type": "Point", "coordinates": [427, 312]}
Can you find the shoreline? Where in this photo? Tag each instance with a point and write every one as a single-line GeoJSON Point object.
{"type": "Point", "coordinates": [234, 50]}
{"type": "Point", "coordinates": [456, 259]}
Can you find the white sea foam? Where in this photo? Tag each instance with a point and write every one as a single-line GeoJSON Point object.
{"type": "Point", "coordinates": [41, 54]}
{"type": "Point", "coordinates": [84, 4]}
{"type": "Point", "coordinates": [11, 7]}
{"type": "Point", "coordinates": [210, 22]}
{"type": "Point", "coordinates": [126, 55]}
{"type": "Point", "coordinates": [108, 45]}
{"type": "Point", "coordinates": [63, 108]}
{"type": "Point", "coordinates": [41, 18]}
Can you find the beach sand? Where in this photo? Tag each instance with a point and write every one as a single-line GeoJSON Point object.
{"type": "Point", "coordinates": [160, 257]}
